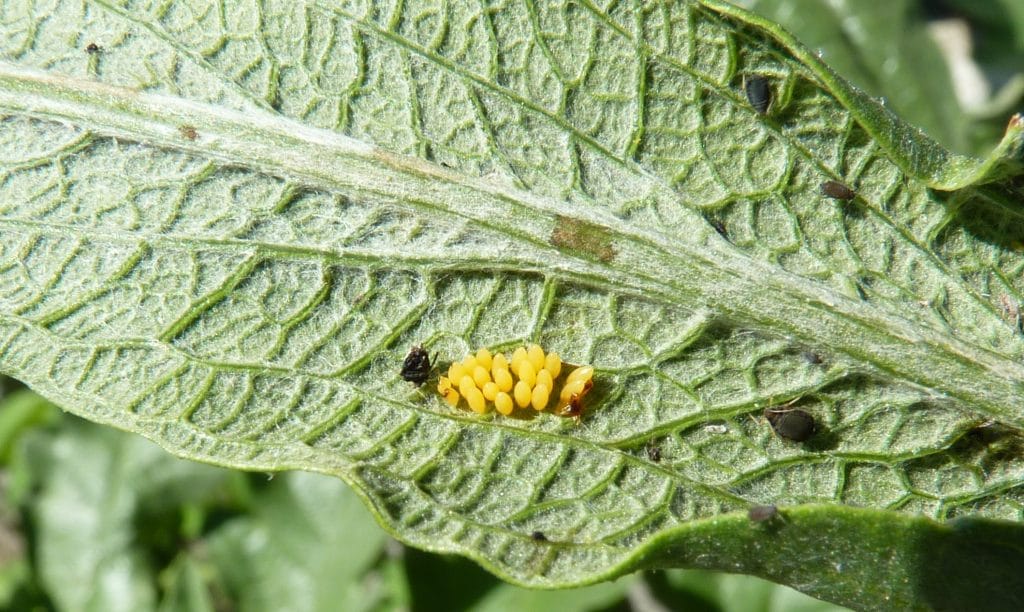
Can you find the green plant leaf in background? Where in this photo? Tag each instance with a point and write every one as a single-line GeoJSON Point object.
{"type": "Point", "coordinates": [101, 495]}
{"type": "Point", "coordinates": [305, 546]}
{"type": "Point", "coordinates": [223, 226]}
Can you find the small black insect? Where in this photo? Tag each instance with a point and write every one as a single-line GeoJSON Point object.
{"type": "Point", "coordinates": [416, 367]}
{"type": "Point", "coordinates": [760, 514]}
{"type": "Point", "coordinates": [654, 452]}
{"type": "Point", "coordinates": [93, 48]}
{"type": "Point", "coordinates": [837, 190]}
{"type": "Point", "coordinates": [791, 423]}
{"type": "Point", "coordinates": [538, 536]}
{"type": "Point", "coordinates": [759, 93]}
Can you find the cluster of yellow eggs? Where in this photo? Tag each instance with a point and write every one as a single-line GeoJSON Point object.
{"type": "Point", "coordinates": [527, 380]}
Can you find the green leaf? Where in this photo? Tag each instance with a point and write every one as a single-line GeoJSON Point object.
{"type": "Point", "coordinates": [224, 229]}
{"type": "Point", "coordinates": [447, 583]}
{"type": "Point", "coordinates": [186, 591]}
{"type": "Point", "coordinates": [90, 514]}
{"type": "Point", "coordinates": [306, 545]}
{"type": "Point", "coordinates": [20, 412]}
{"type": "Point", "coordinates": [701, 590]}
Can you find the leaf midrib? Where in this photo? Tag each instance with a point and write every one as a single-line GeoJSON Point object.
{"type": "Point", "coordinates": [709, 270]}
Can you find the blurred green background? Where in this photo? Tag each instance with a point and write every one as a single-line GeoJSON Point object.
{"type": "Point", "coordinates": [95, 519]}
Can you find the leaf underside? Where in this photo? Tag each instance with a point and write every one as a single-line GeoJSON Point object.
{"type": "Point", "coordinates": [224, 228]}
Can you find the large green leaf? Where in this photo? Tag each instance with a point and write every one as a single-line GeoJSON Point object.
{"type": "Point", "coordinates": [305, 546]}
{"type": "Point", "coordinates": [101, 497]}
{"type": "Point", "coordinates": [223, 225]}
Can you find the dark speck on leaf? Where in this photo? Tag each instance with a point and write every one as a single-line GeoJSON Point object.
{"type": "Point", "coordinates": [654, 452]}
{"type": "Point", "coordinates": [92, 48]}
{"type": "Point", "coordinates": [837, 190]}
{"type": "Point", "coordinates": [538, 537]}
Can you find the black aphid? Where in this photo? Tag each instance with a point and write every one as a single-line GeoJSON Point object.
{"type": "Point", "coordinates": [760, 514]}
{"type": "Point", "coordinates": [759, 93]}
{"type": "Point", "coordinates": [538, 536]}
{"type": "Point", "coordinates": [92, 48]}
{"type": "Point", "coordinates": [654, 452]}
{"type": "Point", "coordinates": [791, 423]}
{"type": "Point", "coordinates": [416, 367]}
{"type": "Point", "coordinates": [837, 190]}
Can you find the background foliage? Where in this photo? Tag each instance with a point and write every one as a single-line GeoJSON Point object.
{"type": "Point", "coordinates": [78, 513]}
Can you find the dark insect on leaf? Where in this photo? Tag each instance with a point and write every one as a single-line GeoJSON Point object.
{"type": "Point", "coordinates": [759, 93]}
{"type": "Point", "coordinates": [759, 514]}
{"type": "Point", "coordinates": [654, 452]}
{"type": "Point", "coordinates": [92, 48]}
{"type": "Point", "coordinates": [538, 537]}
{"type": "Point", "coordinates": [837, 190]}
{"type": "Point", "coordinates": [416, 367]}
{"type": "Point", "coordinates": [791, 423]}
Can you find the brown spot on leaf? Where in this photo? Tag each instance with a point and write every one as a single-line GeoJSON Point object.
{"type": "Point", "coordinates": [189, 132]}
{"type": "Point", "coordinates": [588, 239]}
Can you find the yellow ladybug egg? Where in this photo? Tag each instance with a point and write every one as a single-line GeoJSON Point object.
{"type": "Point", "coordinates": [539, 398]}
{"type": "Point", "coordinates": [503, 403]}
{"type": "Point", "coordinates": [499, 362]}
{"type": "Point", "coordinates": [503, 379]}
{"type": "Point", "coordinates": [450, 395]}
{"type": "Point", "coordinates": [483, 358]}
{"type": "Point", "coordinates": [536, 356]}
{"type": "Point", "coordinates": [527, 373]}
{"type": "Point", "coordinates": [580, 373]}
{"type": "Point", "coordinates": [553, 364]}
{"type": "Point", "coordinates": [465, 384]}
{"type": "Point", "coordinates": [490, 391]}
{"type": "Point", "coordinates": [523, 394]}
{"type": "Point", "coordinates": [456, 371]}
{"type": "Point", "coordinates": [481, 376]}
{"type": "Point", "coordinates": [518, 357]}
{"type": "Point", "coordinates": [476, 401]}
{"type": "Point", "coordinates": [544, 378]}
